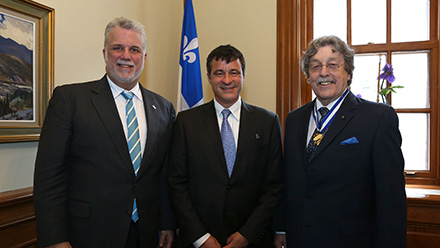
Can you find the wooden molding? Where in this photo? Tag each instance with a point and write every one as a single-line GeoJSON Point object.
{"type": "Point", "coordinates": [17, 219]}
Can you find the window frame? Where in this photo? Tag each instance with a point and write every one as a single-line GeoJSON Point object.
{"type": "Point", "coordinates": [295, 31]}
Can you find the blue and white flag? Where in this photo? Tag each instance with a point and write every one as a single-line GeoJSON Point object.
{"type": "Point", "coordinates": [190, 81]}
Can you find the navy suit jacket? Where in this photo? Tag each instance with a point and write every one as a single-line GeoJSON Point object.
{"type": "Point", "coordinates": [204, 198]}
{"type": "Point", "coordinates": [84, 182]}
{"type": "Point", "coordinates": [352, 193]}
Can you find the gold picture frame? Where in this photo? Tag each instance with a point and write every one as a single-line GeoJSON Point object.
{"type": "Point", "coordinates": [26, 68]}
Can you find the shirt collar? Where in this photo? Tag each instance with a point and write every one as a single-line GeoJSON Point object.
{"type": "Point", "coordinates": [116, 90]}
{"type": "Point", "coordinates": [235, 108]}
{"type": "Point", "coordinates": [329, 106]}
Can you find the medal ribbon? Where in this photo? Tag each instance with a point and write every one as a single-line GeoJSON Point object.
{"type": "Point", "coordinates": [328, 119]}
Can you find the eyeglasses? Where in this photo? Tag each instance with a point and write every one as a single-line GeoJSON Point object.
{"type": "Point", "coordinates": [330, 66]}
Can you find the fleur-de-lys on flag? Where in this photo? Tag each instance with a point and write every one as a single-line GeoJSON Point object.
{"type": "Point", "coordinates": [190, 92]}
{"type": "Point", "coordinates": [386, 76]}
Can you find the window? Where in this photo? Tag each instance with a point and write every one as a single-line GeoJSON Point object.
{"type": "Point", "coordinates": [401, 33]}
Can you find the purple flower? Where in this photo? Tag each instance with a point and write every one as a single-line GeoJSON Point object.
{"type": "Point", "coordinates": [387, 73]}
{"type": "Point", "coordinates": [359, 95]}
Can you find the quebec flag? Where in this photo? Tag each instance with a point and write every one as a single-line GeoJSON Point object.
{"type": "Point", "coordinates": [190, 81]}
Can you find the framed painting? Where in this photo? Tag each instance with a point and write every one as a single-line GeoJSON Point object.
{"type": "Point", "coordinates": [26, 68]}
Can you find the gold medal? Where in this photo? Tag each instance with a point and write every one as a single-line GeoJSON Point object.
{"type": "Point", "coordinates": [317, 138]}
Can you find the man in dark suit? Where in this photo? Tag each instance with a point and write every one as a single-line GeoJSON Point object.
{"type": "Point", "coordinates": [222, 200]}
{"type": "Point", "coordinates": [87, 192]}
{"type": "Point", "coordinates": [348, 189]}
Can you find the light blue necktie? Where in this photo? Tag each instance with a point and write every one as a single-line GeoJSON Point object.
{"type": "Point", "coordinates": [134, 142]}
{"type": "Point", "coordinates": [228, 141]}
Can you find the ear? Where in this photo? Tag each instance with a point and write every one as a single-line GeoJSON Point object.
{"type": "Point", "coordinates": [103, 52]}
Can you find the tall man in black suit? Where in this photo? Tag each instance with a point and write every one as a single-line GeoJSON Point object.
{"type": "Point", "coordinates": [219, 200]}
{"type": "Point", "coordinates": [87, 192]}
{"type": "Point", "coordinates": [348, 190]}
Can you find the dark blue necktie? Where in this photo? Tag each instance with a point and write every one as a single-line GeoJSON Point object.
{"type": "Point", "coordinates": [317, 135]}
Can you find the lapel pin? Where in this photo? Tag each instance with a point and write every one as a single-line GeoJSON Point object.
{"type": "Point", "coordinates": [257, 136]}
{"type": "Point", "coordinates": [153, 106]}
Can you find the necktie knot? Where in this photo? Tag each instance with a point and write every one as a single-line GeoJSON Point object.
{"type": "Point", "coordinates": [127, 95]}
{"type": "Point", "coordinates": [226, 113]}
{"type": "Point", "coordinates": [323, 111]}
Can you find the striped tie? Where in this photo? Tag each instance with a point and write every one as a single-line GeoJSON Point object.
{"type": "Point", "coordinates": [134, 142]}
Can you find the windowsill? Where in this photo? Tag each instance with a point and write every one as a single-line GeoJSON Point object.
{"type": "Point", "coordinates": [425, 192]}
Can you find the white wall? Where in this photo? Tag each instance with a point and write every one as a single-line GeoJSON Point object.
{"type": "Point", "coordinates": [79, 30]}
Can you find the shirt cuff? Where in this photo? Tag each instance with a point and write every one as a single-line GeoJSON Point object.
{"type": "Point", "coordinates": [201, 240]}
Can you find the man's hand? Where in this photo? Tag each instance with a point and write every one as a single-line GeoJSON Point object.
{"type": "Point", "coordinates": [60, 245]}
{"type": "Point", "coordinates": [211, 242]}
{"type": "Point", "coordinates": [236, 240]}
{"type": "Point", "coordinates": [280, 241]}
{"type": "Point", "coordinates": [166, 238]}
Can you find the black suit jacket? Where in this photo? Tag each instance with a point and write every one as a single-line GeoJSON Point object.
{"type": "Point", "coordinates": [203, 196]}
{"type": "Point", "coordinates": [352, 193]}
{"type": "Point", "coordinates": [84, 182]}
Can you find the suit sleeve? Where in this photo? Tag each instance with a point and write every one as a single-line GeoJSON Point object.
{"type": "Point", "coordinates": [263, 213]}
{"type": "Point", "coordinates": [390, 183]}
{"type": "Point", "coordinates": [51, 172]}
{"type": "Point", "coordinates": [178, 186]}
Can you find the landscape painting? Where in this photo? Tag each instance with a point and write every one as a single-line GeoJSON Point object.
{"type": "Point", "coordinates": [17, 73]}
{"type": "Point", "coordinates": [26, 68]}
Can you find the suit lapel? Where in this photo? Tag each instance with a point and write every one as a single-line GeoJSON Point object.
{"type": "Point", "coordinates": [151, 113]}
{"type": "Point", "coordinates": [106, 108]}
{"type": "Point", "coordinates": [342, 117]}
{"type": "Point", "coordinates": [303, 129]}
{"type": "Point", "coordinates": [211, 125]}
{"type": "Point", "coordinates": [246, 133]}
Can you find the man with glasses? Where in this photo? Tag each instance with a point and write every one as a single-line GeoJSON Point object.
{"type": "Point", "coordinates": [344, 183]}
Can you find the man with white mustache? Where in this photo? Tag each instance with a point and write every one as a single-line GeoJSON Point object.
{"type": "Point", "coordinates": [99, 173]}
{"type": "Point", "coordinates": [343, 165]}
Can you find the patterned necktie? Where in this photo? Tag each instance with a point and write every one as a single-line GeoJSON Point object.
{"type": "Point", "coordinates": [317, 136]}
{"type": "Point", "coordinates": [134, 142]}
{"type": "Point", "coordinates": [228, 141]}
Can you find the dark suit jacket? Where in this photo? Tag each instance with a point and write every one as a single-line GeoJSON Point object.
{"type": "Point", "coordinates": [349, 195]}
{"type": "Point", "coordinates": [203, 196]}
{"type": "Point", "coordinates": [84, 182]}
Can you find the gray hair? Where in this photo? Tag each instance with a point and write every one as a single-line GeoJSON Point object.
{"type": "Point", "coordinates": [338, 46]}
{"type": "Point", "coordinates": [129, 24]}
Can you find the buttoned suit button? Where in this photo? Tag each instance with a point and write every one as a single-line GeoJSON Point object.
{"type": "Point", "coordinates": [308, 196]}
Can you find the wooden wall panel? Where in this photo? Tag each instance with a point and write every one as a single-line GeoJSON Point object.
{"type": "Point", "coordinates": [423, 221]}
{"type": "Point", "coordinates": [17, 219]}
